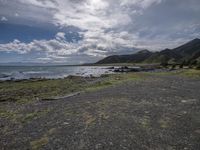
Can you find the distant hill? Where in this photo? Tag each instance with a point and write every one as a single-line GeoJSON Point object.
{"type": "Point", "coordinates": [187, 52]}
{"type": "Point", "coordinates": [133, 58]}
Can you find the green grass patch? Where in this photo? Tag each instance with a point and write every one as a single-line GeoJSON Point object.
{"type": "Point", "coordinates": [39, 143]}
{"type": "Point", "coordinates": [191, 73]}
{"type": "Point", "coordinates": [6, 114]}
{"type": "Point", "coordinates": [24, 92]}
{"type": "Point", "coordinates": [34, 115]}
{"type": "Point", "coordinates": [31, 90]}
{"type": "Point", "coordinates": [115, 79]}
{"type": "Point", "coordinates": [20, 117]}
{"type": "Point", "coordinates": [182, 72]}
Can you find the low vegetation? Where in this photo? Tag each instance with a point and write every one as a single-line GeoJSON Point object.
{"type": "Point", "coordinates": [152, 107]}
{"type": "Point", "coordinates": [191, 73]}
{"type": "Point", "coordinates": [31, 90]}
{"type": "Point", "coordinates": [20, 117]}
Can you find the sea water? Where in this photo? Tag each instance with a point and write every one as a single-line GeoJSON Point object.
{"type": "Point", "coordinates": [50, 72]}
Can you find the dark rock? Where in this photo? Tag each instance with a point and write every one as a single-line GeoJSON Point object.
{"type": "Point", "coordinates": [110, 68]}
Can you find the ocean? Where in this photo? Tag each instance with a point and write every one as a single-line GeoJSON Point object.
{"type": "Point", "coordinates": [49, 72]}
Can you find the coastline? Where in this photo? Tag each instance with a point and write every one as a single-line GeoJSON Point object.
{"type": "Point", "coordinates": [127, 108]}
{"type": "Point", "coordinates": [37, 89]}
{"type": "Point", "coordinates": [17, 73]}
{"type": "Point", "coordinates": [28, 90]}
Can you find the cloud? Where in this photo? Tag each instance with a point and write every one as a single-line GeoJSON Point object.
{"type": "Point", "coordinates": [59, 49]}
{"type": "Point", "coordinates": [60, 36]}
{"type": "Point", "coordinates": [16, 15]}
{"type": "Point", "coordinates": [54, 49]}
{"type": "Point", "coordinates": [4, 19]}
{"type": "Point", "coordinates": [106, 27]}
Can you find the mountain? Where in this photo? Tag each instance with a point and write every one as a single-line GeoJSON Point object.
{"type": "Point", "coordinates": [187, 52]}
{"type": "Point", "coordinates": [166, 55]}
{"type": "Point", "coordinates": [133, 58]}
{"type": "Point", "coordinates": [190, 50]}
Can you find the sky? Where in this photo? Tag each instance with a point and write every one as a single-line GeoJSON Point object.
{"type": "Point", "coordinates": [85, 31]}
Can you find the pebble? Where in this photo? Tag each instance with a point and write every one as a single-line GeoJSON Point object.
{"type": "Point", "coordinates": [65, 123]}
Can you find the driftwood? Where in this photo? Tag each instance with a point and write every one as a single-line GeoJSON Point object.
{"type": "Point", "coordinates": [61, 97]}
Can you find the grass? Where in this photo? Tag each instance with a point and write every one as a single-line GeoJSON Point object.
{"type": "Point", "coordinates": [115, 79]}
{"type": "Point", "coordinates": [7, 114]}
{"type": "Point", "coordinates": [145, 122]}
{"type": "Point", "coordinates": [19, 117]}
{"type": "Point", "coordinates": [88, 119]}
{"type": "Point", "coordinates": [24, 92]}
{"type": "Point", "coordinates": [164, 123]}
{"type": "Point", "coordinates": [42, 141]}
{"type": "Point", "coordinates": [39, 143]}
{"type": "Point", "coordinates": [184, 73]}
{"type": "Point", "coordinates": [30, 90]}
{"type": "Point", "coordinates": [34, 115]}
{"type": "Point", "coordinates": [191, 73]}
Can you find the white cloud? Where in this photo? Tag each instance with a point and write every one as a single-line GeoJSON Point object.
{"type": "Point", "coordinates": [108, 26]}
{"type": "Point", "coordinates": [60, 36]}
{"type": "Point", "coordinates": [92, 15]}
{"type": "Point", "coordinates": [40, 3]}
{"type": "Point", "coordinates": [59, 48]}
{"type": "Point", "coordinates": [16, 15]}
{"type": "Point", "coordinates": [4, 19]}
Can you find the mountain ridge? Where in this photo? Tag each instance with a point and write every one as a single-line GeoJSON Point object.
{"type": "Point", "coordinates": [189, 51]}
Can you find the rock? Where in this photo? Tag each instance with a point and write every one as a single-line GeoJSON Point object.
{"type": "Point", "coordinates": [65, 123]}
{"type": "Point", "coordinates": [197, 131]}
{"type": "Point", "coordinates": [110, 68]}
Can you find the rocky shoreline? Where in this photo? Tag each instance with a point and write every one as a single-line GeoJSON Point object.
{"type": "Point", "coordinates": [155, 112]}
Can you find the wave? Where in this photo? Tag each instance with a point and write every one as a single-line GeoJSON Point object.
{"type": "Point", "coordinates": [50, 73]}
{"type": "Point", "coordinates": [13, 76]}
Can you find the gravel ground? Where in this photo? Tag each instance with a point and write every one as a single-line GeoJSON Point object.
{"type": "Point", "coordinates": [159, 113]}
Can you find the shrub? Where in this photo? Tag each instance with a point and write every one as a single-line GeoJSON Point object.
{"type": "Point", "coordinates": [164, 64]}
{"type": "Point", "coordinates": [181, 66]}
{"type": "Point", "coordinates": [193, 62]}
{"type": "Point", "coordinates": [198, 66]}
{"type": "Point", "coordinates": [173, 66]}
